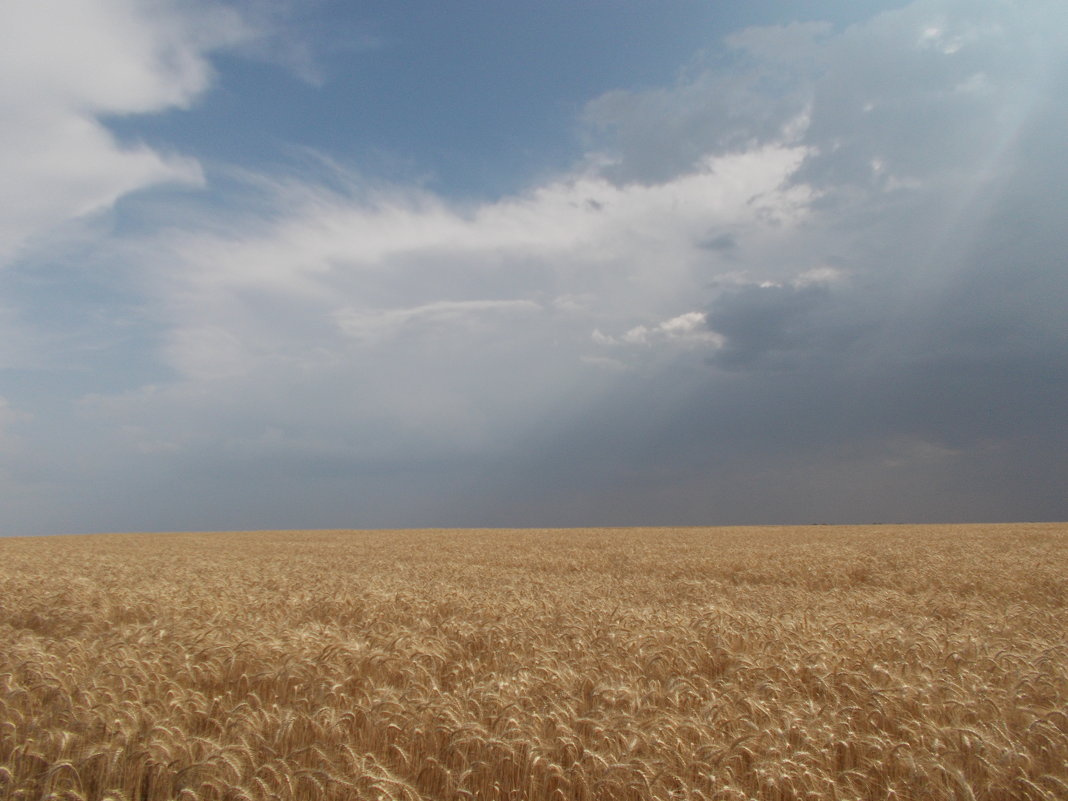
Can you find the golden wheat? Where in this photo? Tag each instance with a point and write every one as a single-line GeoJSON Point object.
{"type": "Point", "coordinates": [884, 662]}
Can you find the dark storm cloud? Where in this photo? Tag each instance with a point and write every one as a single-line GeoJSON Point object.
{"type": "Point", "coordinates": [769, 327]}
{"type": "Point", "coordinates": [927, 380]}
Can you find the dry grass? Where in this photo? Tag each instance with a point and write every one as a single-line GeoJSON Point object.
{"type": "Point", "coordinates": [777, 663]}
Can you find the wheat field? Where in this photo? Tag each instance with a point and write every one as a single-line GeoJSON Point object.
{"type": "Point", "coordinates": [879, 662]}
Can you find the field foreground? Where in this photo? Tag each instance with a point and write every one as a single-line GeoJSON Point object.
{"type": "Point", "coordinates": [882, 662]}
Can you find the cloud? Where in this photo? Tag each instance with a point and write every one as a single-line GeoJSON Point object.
{"type": "Point", "coordinates": [422, 329]}
{"type": "Point", "coordinates": [689, 328]}
{"type": "Point", "coordinates": [317, 231]}
{"type": "Point", "coordinates": [824, 282]}
{"type": "Point", "coordinates": [329, 273]}
{"type": "Point", "coordinates": [909, 323]}
{"type": "Point", "coordinates": [654, 135]}
{"type": "Point", "coordinates": [770, 325]}
{"type": "Point", "coordinates": [65, 67]}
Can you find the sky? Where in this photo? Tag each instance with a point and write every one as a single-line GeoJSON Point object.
{"type": "Point", "coordinates": [333, 264]}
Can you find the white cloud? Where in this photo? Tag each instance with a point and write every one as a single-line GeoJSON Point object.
{"type": "Point", "coordinates": [394, 324]}
{"type": "Point", "coordinates": [689, 328]}
{"type": "Point", "coordinates": [581, 215]}
{"type": "Point", "coordinates": [66, 63]}
{"type": "Point", "coordinates": [333, 270]}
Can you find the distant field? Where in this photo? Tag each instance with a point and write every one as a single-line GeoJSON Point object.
{"type": "Point", "coordinates": [880, 662]}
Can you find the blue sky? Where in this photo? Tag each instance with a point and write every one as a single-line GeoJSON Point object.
{"type": "Point", "coordinates": [277, 264]}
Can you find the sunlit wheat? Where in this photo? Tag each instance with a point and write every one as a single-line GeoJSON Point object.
{"type": "Point", "coordinates": [779, 664]}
